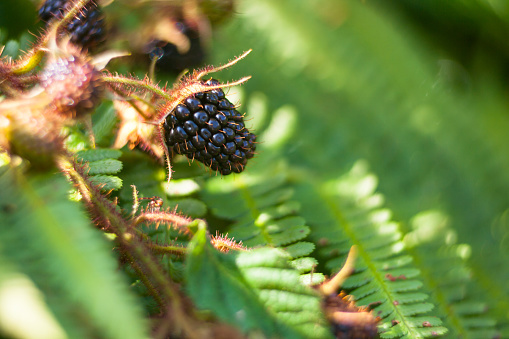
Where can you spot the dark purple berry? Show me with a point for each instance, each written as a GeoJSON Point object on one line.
{"type": "Point", "coordinates": [224, 104]}
{"type": "Point", "coordinates": [210, 109]}
{"type": "Point", "coordinates": [87, 29]}
{"type": "Point", "coordinates": [206, 127]}
{"type": "Point", "coordinates": [214, 125]}
{"type": "Point", "coordinates": [229, 148]}
{"type": "Point", "coordinates": [190, 127]}
{"type": "Point", "coordinates": [211, 97]}
{"type": "Point", "coordinates": [218, 139]}
{"type": "Point", "coordinates": [223, 120]}
{"type": "Point", "coordinates": [180, 133]}
{"type": "Point", "coordinates": [212, 149]}
{"type": "Point", "coordinates": [205, 133]}
{"type": "Point", "coordinates": [229, 133]}
{"type": "Point", "coordinates": [198, 142]}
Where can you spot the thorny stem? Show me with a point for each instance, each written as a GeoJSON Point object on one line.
{"type": "Point", "coordinates": [175, 219]}
{"type": "Point", "coordinates": [167, 249]}
{"type": "Point", "coordinates": [75, 9]}
{"type": "Point", "coordinates": [34, 56]}
{"type": "Point", "coordinates": [137, 83]}
{"type": "Point", "coordinates": [147, 268]}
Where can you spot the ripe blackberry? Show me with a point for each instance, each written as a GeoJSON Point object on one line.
{"type": "Point", "coordinates": [87, 29]}
{"type": "Point", "coordinates": [208, 128]}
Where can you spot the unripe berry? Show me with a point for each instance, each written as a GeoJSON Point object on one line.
{"type": "Point", "coordinates": [73, 84]}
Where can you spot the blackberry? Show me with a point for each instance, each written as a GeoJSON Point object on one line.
{"type": "Point", "coordinates": [87, 29]}
{"type": "Point", "coordinates": [169, 57]}
{"type": "Point", "coordinates": [73, 84]}
{"type": "Point", "coordinates": [208, 128]}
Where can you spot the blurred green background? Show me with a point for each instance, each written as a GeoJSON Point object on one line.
{"type": "Point", "coordinates": [417, 89]}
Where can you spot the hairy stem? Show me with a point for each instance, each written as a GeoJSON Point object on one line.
{"type": "Point", "coordinates": [167, 249]}
{"type": "Point", "coordinates": [164, 291]}
{"type": "Point", "coordinates": [119, 80]}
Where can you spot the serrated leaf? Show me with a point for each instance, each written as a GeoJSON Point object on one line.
{"type": "Point", "coordinates": [107, 182]}
{"type": "Point", "coordinates": [97, 154]}
{"type": "Point", "coordinates": [106, 166]}
{"type": "Point", "coordinates": [279, 286]}
{"type": "Point", "coordinates": [304, 264]}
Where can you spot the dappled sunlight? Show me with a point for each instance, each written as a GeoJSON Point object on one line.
{"type": "Point", "coordinates": [23, 312]}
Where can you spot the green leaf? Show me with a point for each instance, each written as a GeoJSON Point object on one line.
{"type": "Point", "coordinates": [107, 182]}
{"type": "Point", "coordinates": [62, 252]}
{"type": "Point", "coordinates": [281, 289]}
{"type": "Point", "coordinates": [299, 249]}
{"type": "Point", "coordinates": [104, 121]}
{"type": "Point", "coordinates": [106, 166]}
{"type": "Point", "coordinates": [190, 207]}
{"type": "Point", "coordinates": [97, 154]}
{"type": "Point", "coordinates": [215, 283]}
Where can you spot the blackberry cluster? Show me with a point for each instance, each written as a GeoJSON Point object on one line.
{"type": "Point", "coordinates": [208, 128]}
{"type": "Point", "coordinates": [87, 29]}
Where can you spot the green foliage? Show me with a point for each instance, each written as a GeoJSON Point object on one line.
{"type": "Point", "coordinates": [375, 129]}
{"type": "Point", "coordinates": [365, 85]}
{"type": "Point", "coordinates": [215, 283]}
{"type": "Point", "coordinates": [48, 239]}
{"type": "Point", "coordinates": [346, 212]}
{"type": "Point", "coordinates": [101, 164]}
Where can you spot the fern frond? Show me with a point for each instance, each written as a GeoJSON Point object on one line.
{"type": "Point", "coordinates": [263, 212]}
{"type": "Point", "coordinates": [102, 163]}
{"type": "Point", "coordinates": [446, 273]}
{"type": "Point", "coordinates": [49, 239]}
{"type": "Point", "coordinates": [368, 89]}
{"type": "Point", "coordinates": [278, 286]}
{"type": "Point", "coordinates": [215, 282]}
{"type": "Point", "coordinates": [347, 212]}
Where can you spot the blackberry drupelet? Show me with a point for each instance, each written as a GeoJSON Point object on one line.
{"type": "Point", "coordinates": [87, 29]}
{"type": "Point", "coordinates": [208, 128]}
